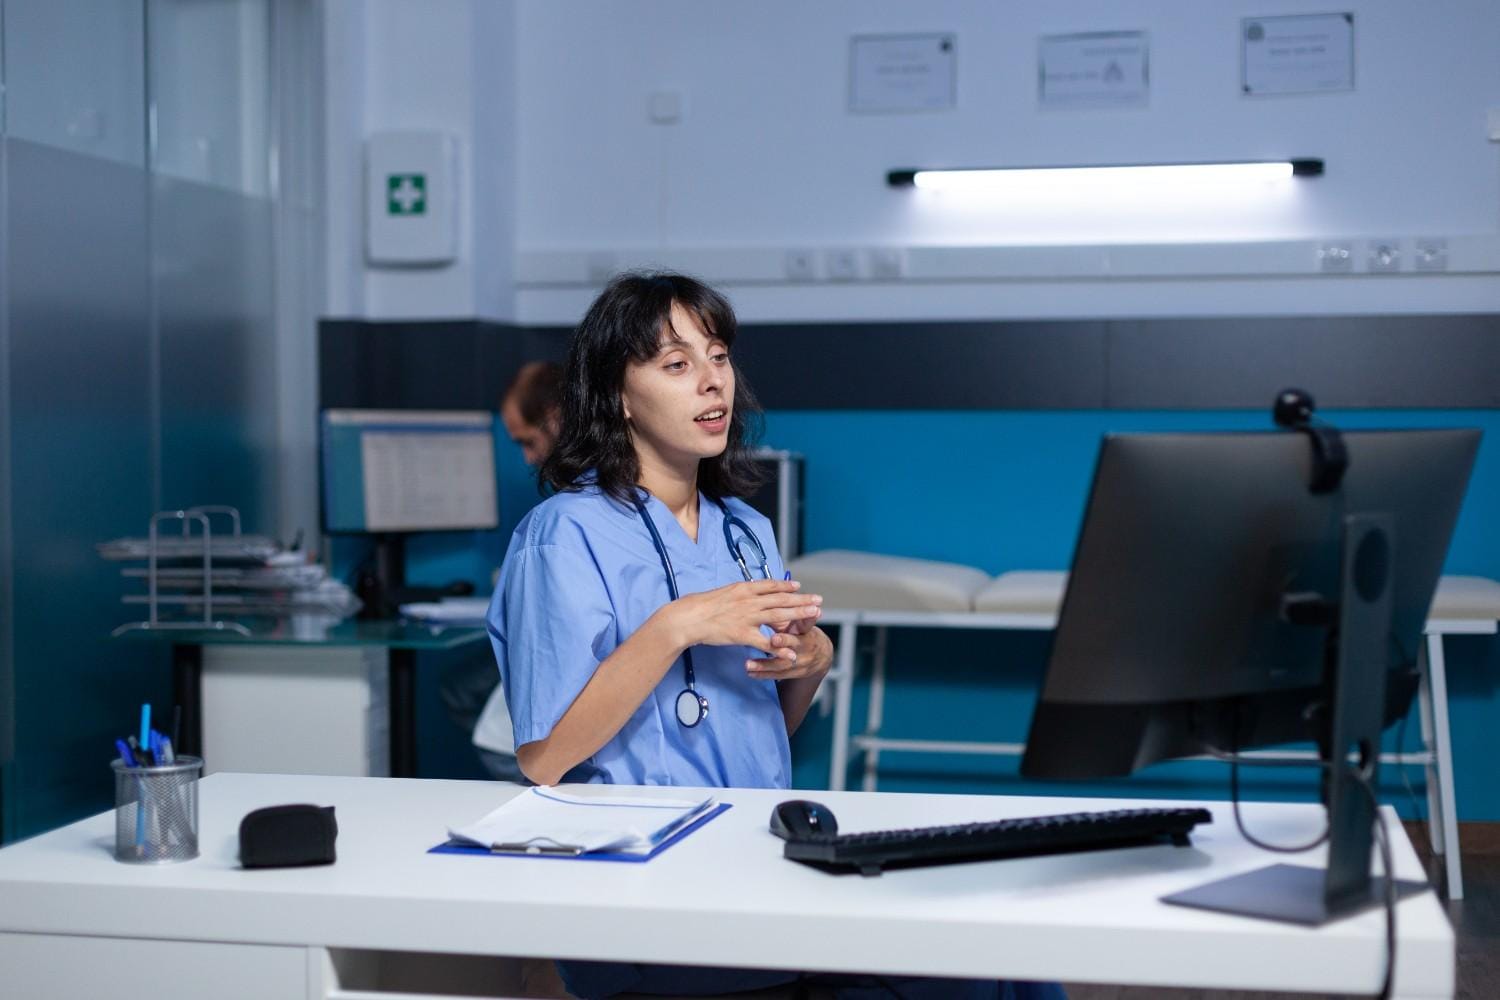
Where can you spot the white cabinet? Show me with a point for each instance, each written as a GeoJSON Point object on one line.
{"type": "Point", "coordinates": [296, 710]}
{"type": "Point", "coordinates": [69, 967]}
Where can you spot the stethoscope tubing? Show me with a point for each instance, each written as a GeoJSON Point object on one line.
{"type": "Point", "coordinates": [690, 714]}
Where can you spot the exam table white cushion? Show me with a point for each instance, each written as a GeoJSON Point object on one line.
{"type": "Point", "coordinates": [1023, 592]}
{"type": "Point", "coordinates": [1466, 597]}
{"type": "Point", "coordinates": [871, 582]}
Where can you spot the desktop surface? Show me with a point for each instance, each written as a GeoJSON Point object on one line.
{"type": "Point", "coordinates": [725, 896]}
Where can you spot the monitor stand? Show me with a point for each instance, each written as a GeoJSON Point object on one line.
{"type": "Point", "coordinates": [1289, 894]}
{"type": "Point", "coordinates": [1356, 658]}
{"type": "Point", "coordinates": [381, 584]}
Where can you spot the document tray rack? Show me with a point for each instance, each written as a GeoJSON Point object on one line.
{"type": "Point", "coordinates": [870, 853]}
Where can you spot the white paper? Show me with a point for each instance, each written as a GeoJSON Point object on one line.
{"type": "Point", "coordinates": [893, 73]}
{"type": "Point", "coordinates": [1097, 69]}
{"type": "Point", "coordinates": [544, 820]}
{"type": "Point", "coordinates": [1297, 54]}
{"type": "Point", "coordinates": [450, 611]}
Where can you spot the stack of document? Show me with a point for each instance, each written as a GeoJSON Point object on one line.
{"type": "Point", "coordinates": [239, 575]}
{"type": "Point", "coordinates": [547, 821]}
{"type": "Point", "coordinates": [471, 611]}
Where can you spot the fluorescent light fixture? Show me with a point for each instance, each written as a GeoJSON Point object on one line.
{"type": "Point", "coordinates": [1001, 179]}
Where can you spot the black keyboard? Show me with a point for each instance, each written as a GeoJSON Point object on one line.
{"type": "Point", "coordinates": [870, 853]}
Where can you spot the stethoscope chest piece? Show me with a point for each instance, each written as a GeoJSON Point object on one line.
{"type": "Point", "coordinates": [692, 707]}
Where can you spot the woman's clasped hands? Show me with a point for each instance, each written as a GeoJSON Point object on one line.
{"type": "Point", "coordinates": [733, 615]}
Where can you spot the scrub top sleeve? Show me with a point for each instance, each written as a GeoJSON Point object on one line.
{"type": "Point", "coordinates": [557, 624]}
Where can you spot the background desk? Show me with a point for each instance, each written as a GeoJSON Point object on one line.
{"type": "Point", "coordinates": [76, 923]}
{"type": "Point", "coordinates": [401, 641]}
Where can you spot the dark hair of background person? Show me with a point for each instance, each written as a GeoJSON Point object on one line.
{"type": "Point", "coordinates": [625, 324]}
{"type": "Point", "coordinates": [537, 391]}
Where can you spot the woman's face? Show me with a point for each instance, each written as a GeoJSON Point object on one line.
{"type": "Point", "coordinates": [679, 403]}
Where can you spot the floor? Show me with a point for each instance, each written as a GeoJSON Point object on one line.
{"type": "Point", "coordinates": [1476, 918]}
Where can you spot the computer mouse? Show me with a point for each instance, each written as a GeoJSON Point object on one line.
{"type": "Point", "coordinates": [798, 818]}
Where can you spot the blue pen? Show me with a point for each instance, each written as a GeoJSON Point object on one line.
{"type": "Point", "coordinates": [788, 575]}
{"type": "Point", "coordinates": [126, 757]}
{"type": "Point", "coordinates": [143, 754]}
{"type": "Point", "coordinates": [146, 725]}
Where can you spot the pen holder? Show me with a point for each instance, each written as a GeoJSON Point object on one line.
{"type": "Point", "coordinates": [156, 811]}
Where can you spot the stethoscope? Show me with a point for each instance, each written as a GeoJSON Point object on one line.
{"type": "Point", "coordinates": [692, 706]}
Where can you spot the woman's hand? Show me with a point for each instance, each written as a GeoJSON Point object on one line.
{"type": "Point", "coordinates": [733, 616]}
{"type": "Point", "coordinates": [811, 649]}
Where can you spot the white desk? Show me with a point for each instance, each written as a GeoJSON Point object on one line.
{"type": "Point", "coordinates": [76, 923]}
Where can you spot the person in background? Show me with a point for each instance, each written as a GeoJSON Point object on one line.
{"type": "Point", "coordinates": [530, 410]}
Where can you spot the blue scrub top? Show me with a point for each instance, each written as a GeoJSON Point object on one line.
{"type": "Point", "coordinates": [580, 576]}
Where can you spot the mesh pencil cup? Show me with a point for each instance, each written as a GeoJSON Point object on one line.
{"type": "Point", "coordinates": [156, 811]}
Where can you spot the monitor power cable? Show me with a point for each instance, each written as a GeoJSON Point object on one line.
{"type": "Point", "coordinates": [1382, 840]}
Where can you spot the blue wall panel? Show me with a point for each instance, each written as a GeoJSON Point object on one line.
{"type": "Point", "coordinates": [1005, 490]}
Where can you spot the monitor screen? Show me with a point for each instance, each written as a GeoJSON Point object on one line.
{"type": "Point", "coordinates": [394, 471]}
{"type": "Point", "coordinates": [1174, 635]}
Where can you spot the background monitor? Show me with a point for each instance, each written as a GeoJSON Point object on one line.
{"type": "Point", "coordinates": [403, 471]}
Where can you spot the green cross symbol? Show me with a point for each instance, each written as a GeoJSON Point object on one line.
{"type": "Point", "coordinates": [406, 194]}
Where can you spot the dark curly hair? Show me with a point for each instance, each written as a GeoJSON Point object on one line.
{"type": "Point", "coordinates": [625, 323]}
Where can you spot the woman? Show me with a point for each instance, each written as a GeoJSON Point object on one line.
{"type": "Point", "coordinates": [643, 626]}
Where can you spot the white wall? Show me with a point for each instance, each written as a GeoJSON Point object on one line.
{"type": "Point", "coordinates": [446, 65]}
{"type": "Point", "coordinates": [767, 159]}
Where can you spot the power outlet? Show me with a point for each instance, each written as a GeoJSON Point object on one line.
{"type": "Point", "coordinates": [601, 267]}
{"type": "Point", "coordinates": [1336, 258]}
{"type": "Point", "coordinates": [801, 265]}
{"type": "Point", "coordinates": [1430, 255]}
{"type": "Point", "coordinates": [664, 107]}
{"type": "Point", "coordinates": [841, 265]}
{"type": "Point", "coordinates": [887, 263]}
{"type": "Point", "coordinates": [1384, 256]}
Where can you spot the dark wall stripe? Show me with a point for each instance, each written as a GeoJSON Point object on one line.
{"type": "Point", "coordinates": [949, 366]}
{"type": "Point", "coordinates": [438, 364]}
{"type": "Point", "coordinates": [1375, 361]}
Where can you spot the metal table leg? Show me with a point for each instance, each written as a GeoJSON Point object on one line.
{"type": "Point", "coordinates": [187, 686]}
{"type": "Point", "coordinates": [403, 713]}
{"type": "Point", "coordinates": [843, 670]}
{"type": "Point", "coordinates": [1443, 819]}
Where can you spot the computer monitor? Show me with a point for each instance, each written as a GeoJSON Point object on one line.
{"type": "Point", "coordinates": [392, 473]}
{"type": "Point", "coordinates": [1217, 604]}
{"type": "Point", "coordinates": [406, 471]}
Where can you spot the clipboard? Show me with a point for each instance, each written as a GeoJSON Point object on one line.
{"type": "Point", "coordinates": [475, 850]}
